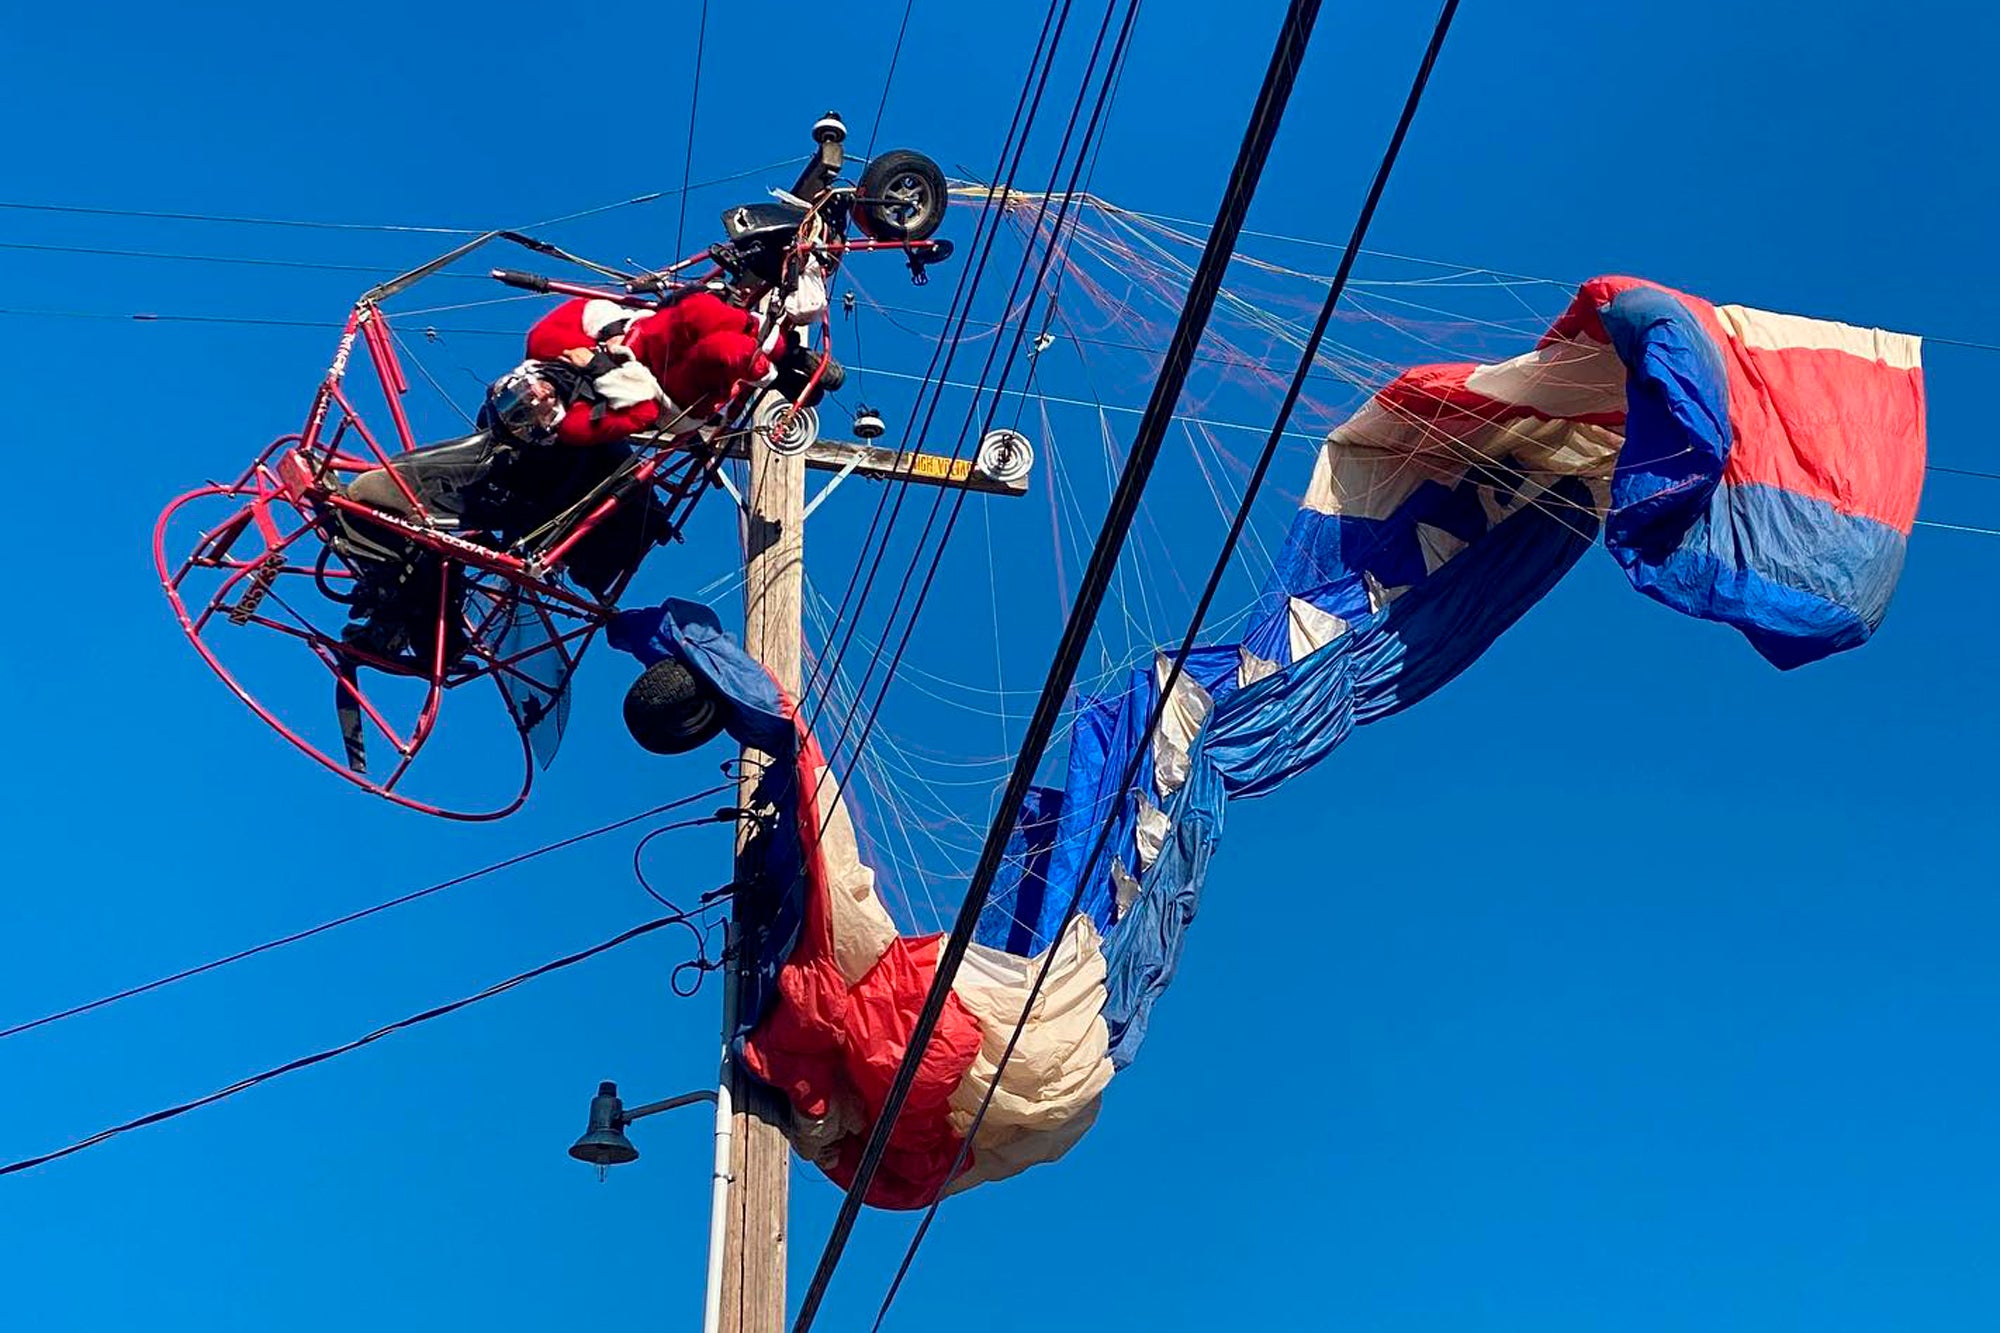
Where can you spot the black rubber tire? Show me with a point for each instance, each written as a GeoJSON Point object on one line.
{"type": "Point", "coordinates": [669, 710]}
{"type": "Point", "coordinates": [915, 181]}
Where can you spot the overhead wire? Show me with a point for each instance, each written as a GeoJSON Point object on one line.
{"type": "Point", "coordinates": [234, 220]}
{"type": "Point", "coordinates": [959, 495]}
{"type": "Point", "coordinates": [889, 79]}
{"type": "Point", "coordinates": [332, 1052]}
{"type": "Point", "coordinates": [1259, 135]}
{"type": "Point", "coordinates": [1220, 567]}
{"type": "Point", "coordinates": [349, 918]}
{"type": "Point", "coordinates": [944, 349]}
{"type": "Point", "coordinates": [694, 107]}
{"type": "Point", "coordinates": [322, 225]}
{"type": "Point", "coordinates": [891, 501]}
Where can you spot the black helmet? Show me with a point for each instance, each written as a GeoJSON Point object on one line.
{"type": "Point", "coordinates": [524, 405]}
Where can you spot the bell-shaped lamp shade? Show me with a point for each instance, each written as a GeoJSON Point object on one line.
{"type": "Point", "coordinates": [604, 1142]}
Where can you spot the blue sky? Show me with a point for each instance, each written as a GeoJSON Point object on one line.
{"type": "Point", "coordinates": [1625, 983]}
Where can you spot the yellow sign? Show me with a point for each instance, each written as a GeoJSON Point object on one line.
{"type": "Point", "coordinates": [938, 466]}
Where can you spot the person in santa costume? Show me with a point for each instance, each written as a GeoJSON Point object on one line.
{"type": "Point", "coordinates": [697, 349]}
{"type": "Point", "coordinates": [549, 433]}
{"type": "Point", "coordinates": [553, 429]}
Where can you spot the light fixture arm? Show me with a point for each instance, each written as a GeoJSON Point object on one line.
{"type": "Point", "coordinates": [650, 1108]}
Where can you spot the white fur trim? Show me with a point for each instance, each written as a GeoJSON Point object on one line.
{"type": "Point", "coordinates": [599, 312]}
{"type": "Point", "coordinates": [628, 385]}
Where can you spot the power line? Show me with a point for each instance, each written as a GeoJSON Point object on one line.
{"type": "Point", "coordinates": [1222, 561]}
{"type": "Point", "coordinates": [160, 983]}
{"type": "Point", "coordinates": [320, 1057]}
{"type": "Point", "coordinates": [233, 220]}
{"type": "Point", "coordinates": [318, 225]}
{"type": "Point", "coordinates": [944, 351]}
{"type": "Point", "coordinates": [694, 106]}
{"type": "Point", "coordinates": [1259, 134]}
{"type": "Point", "coordinates": [889, 79]}
{"type": "Point", "coordinates": [972, 407]}
{"type": "Point", "coordinates": [244, 260]}
{"type": "Point", "coordinates": [1214, 423]}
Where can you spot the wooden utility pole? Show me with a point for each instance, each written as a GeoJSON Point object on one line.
{"type": "Point", "coordinates": [752, 1292]}
{"type": "Point", "coordinates": [753, 1256]}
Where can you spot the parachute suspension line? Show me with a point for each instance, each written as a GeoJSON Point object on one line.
{"type": "Point", "coordinates": [1026, 108]}
{"type": "Point", "coordinates": [1364, 371]}
{"type": "Point", "coordinates": [873, 711]}
{"type": "Point", "coordinates": [320, 1057]}
{"type": "Point", "coordinates": [1109, 453]}
{"type": "Point", "coordinates": [1963, 472]}
{"type": "Point", "coordinates": [1956, 527]}
{"type": "Point", "coordinates": [993, 602]}
{"type": "Point", "coordinates": [1962, 342]}
{"type": "Point", "coordinates": [160, 983]}
{"type": "Point", "coordinates": [985, 376]}
{"type": "Point", "coordinates": [410, 355]}
{"type": "Point", "coordinates": [1259, 135]}
{"type": "Point", "coordinates": [880, 781]}
{"type": "Point", "coordinates": [1091, 129]}
{"type": "Point", "coordinates": [853, 312]}
{"type": "Point", "coordinates": [1055, 514]}
{"type": "Point", "coordinates": [1006, 369]}
{"type": "Point", "coordinates": [1223, 558]}
{"type": "Point", "coordinates": [694, 105]}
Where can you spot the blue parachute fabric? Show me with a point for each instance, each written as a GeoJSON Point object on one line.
{"type": "Point", "coordinates": [1431, 633]}
{"type": "Point", "coordinates": [1143, 951]}
{"type": "Point", "coordinates": [1107, 732]}
{"type": "Point", "coordinates": [1677, 434]}
{"type": "Point", "coordinates": [1762, 471]}
{"type": "Point", "coordinates": [1462, 495]}
{"type": "Point", "coordinates": [1021, 886]}
{"type": "Point", "coordinates": [1771, 466]}
{"type": "Point", "coordinates": [755, 714]}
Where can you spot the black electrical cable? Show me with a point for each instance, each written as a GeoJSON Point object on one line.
{"type": "Point", "coordinates": [986, 371]}
{"type": "Point", "coordinates": [945, 349]}
{"type": "Point", "coordinates": [694, 105]}
{"type": "Point", "coordinates": [889, 79]}
{"type": "Point", "coordinates": [320, 1057]}
{"type": "Point", "coordinates": [185, 974]}
{"type": "Point", "coordinates": [1216, 574]}
{"type": "Point", "coordinates": [1259, 135]}
{"type": "Point", "coordinates": [992, 414]}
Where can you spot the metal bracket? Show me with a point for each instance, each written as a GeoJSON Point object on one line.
{"type": "Point", "coordinates": [846, 471]}
{"type": "Point", "coordinates": [722, 475]}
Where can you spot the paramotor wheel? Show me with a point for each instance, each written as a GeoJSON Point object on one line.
{"type": "Point", "coordinates": [669, 711]}
{"type": "Point", "coordinates": [900, 197]}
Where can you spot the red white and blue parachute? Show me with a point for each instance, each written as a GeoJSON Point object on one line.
{"type": "Point", "coordinates": [1756, 469]}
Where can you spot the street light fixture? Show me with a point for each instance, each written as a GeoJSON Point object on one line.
{"type": "Point", "coordinates": [604, 1143]}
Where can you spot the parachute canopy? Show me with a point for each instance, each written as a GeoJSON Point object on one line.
{"type": "Point", "coordinates": [1755, 469]}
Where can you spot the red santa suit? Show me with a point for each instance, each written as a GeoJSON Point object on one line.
{"type": "Point", "coordinates": [682, 361]}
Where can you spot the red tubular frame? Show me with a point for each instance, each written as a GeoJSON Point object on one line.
{"type": "Point", "coordinates": [302, 474]}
